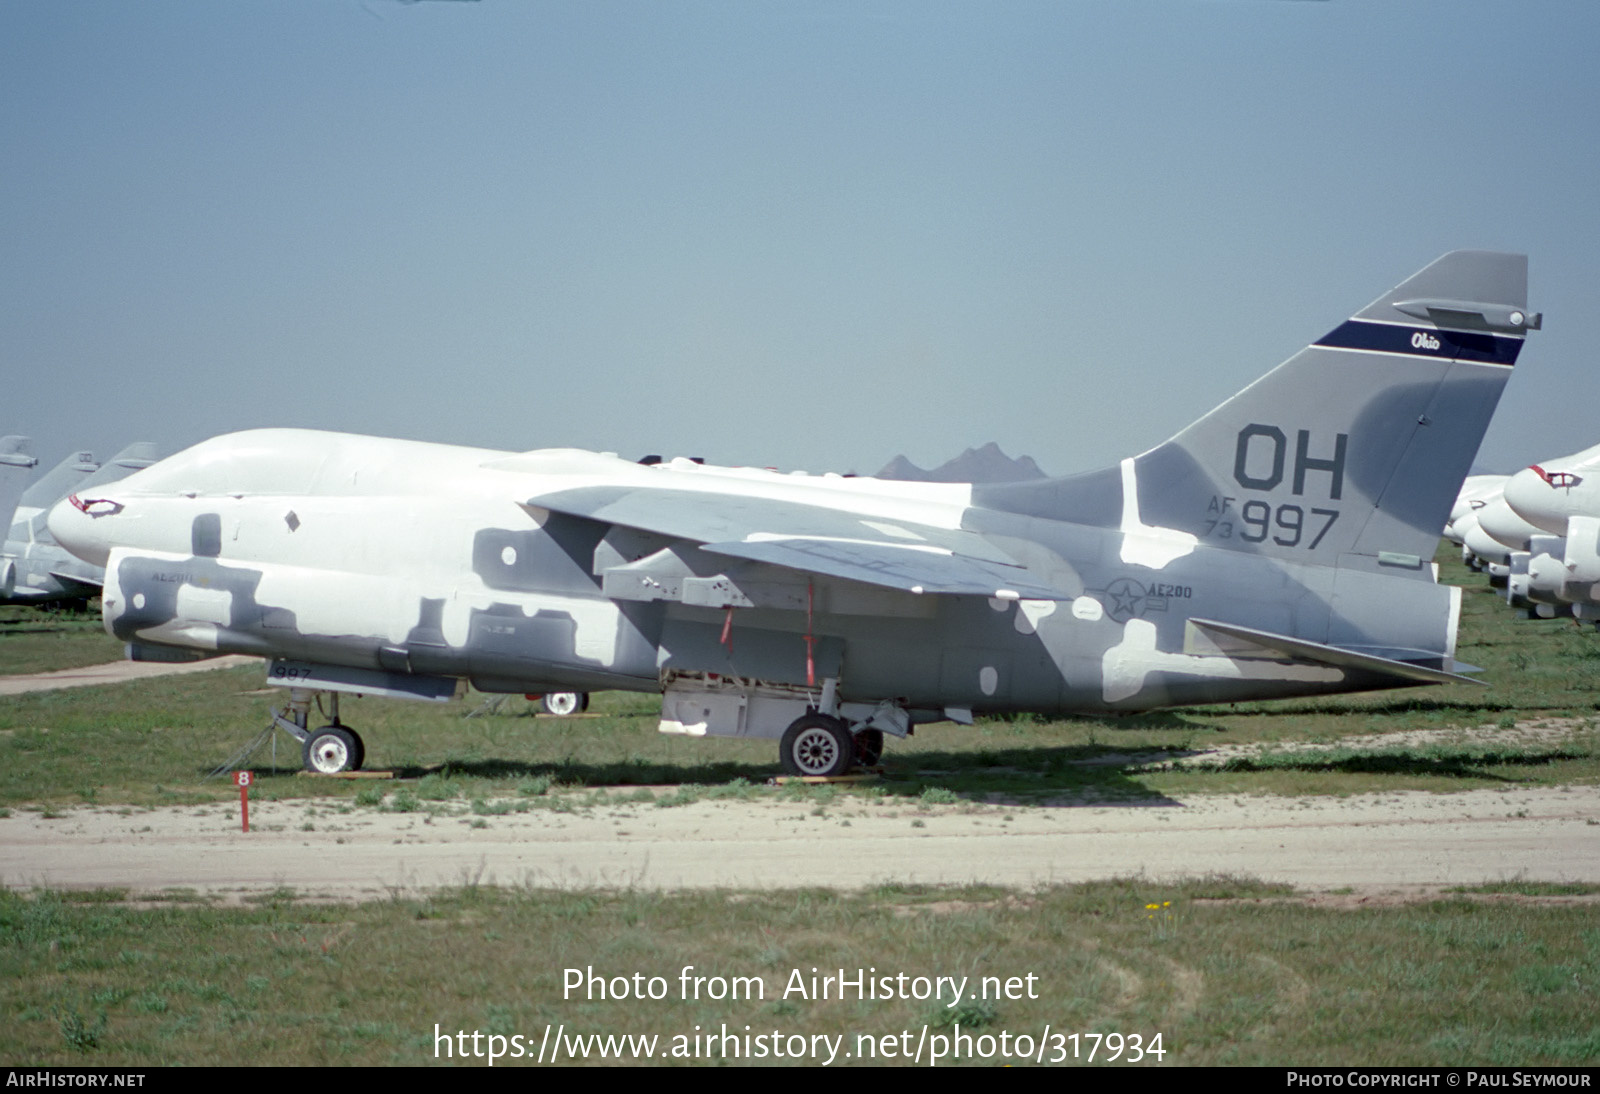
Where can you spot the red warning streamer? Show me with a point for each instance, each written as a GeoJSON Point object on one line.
{"type": "Point", "coordinates": [811, 641]}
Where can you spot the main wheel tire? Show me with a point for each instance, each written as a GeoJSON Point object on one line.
{"type": "Point", "coordinates": [565, 702]}
{"type": "Point", "coordinates": [332, 749]}
{"type": "Point", "coordinates": [869, 747]}
{"type": "Point", "coordinates": [816, 745]}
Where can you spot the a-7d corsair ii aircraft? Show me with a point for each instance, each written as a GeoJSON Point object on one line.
{"type": "Point", "coordinates": [1279, 546]}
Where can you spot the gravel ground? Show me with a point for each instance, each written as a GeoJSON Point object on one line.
{"type": "Point", "coordinates": [1368, 843]}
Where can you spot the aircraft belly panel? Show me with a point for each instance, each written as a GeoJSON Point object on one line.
{"type": "Point", "coordinates": [778, 656]}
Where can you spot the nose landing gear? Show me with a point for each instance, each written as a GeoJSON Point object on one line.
{"type": "Point", "coordinates": [331, 750]}
{"type": "Point", "coordinates": [563, 703]}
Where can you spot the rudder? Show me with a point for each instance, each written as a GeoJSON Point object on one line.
{"type": "Point", "coordinates": [1355, 446]}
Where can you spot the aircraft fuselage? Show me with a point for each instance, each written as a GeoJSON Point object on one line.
{"type": "Point", "coordinates": [412, 558]}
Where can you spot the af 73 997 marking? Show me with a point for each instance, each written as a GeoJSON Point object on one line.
{"type": "Point", "coordinates": [1286, 523]}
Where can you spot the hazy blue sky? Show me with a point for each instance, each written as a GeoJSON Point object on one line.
{"type": "Point", "coordinates": [800, 234]}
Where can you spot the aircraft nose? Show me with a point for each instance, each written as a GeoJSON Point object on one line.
{"type": "Point", "coordinates": [1499, 520]}
{"type": "Point", "coordinates": [78, 524]}
{"type": "Point", "coordinates": [1482, 544]}
{"type": "Point", "coordinates": [1540, 497]}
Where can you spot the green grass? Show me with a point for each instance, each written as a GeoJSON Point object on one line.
{"type": "Point", "coordinates": [1534, 888]}
{"type": "Point", "coordinates": [46, 639]}
{"type": "Point", "coordinates": [1226, 971]}
{"type": "Point", "coordinates": [152, 743]}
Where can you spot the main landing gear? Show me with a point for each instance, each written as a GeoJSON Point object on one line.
{"type": "Point", "coordinates": [329, 750]}
{"type": "Point", "coordinates": [820, 745]}
{"type": "Point", "coordinates": [816, 745]}
{"type": "Point", "coordinates": [818, 734]}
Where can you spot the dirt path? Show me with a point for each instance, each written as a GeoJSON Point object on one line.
{"type": "Point", "coordinates": [113, 672]}
{"type": "Point", "coordinates": [1366, 842]}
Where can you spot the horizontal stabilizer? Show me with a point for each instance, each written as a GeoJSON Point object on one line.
{"type": "Point", "coordinates": [1334, 655]}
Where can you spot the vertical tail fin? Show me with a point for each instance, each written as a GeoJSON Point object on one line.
{"type": "Point", "coordinates": [136, 457]}
{"type": "Point", "coordinates": [17, 461]}
{"type": "Point", "coordinates": [58, 482]}
{"type": "Point", "coordinates": [1356, 445]}
{"type": "Point", "coordinates": [46, 490]}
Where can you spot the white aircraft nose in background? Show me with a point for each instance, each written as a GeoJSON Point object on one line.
{"type": "Point", "coordinates": [77, 524]}
{"type": "Point", "coordinates": [1550, 492]}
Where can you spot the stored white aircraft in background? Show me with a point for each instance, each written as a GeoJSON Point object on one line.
{"type": "Point", "coordinates": [1476, 492]}
{"type": "Point", "coordinates": [1560, 500]}
{"type": "Point", "coordinates": [16, 461]}
{"type": "Point", "coordinates": [39, 570]}
{"type": "Point", "coordinates": [1278, 546]}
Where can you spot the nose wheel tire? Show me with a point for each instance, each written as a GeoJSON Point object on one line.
{"type": "Point", "coordinates": [565, 702]}
{"type": "Point", "coordinates": [816, 745]}
{"type": "Point", "coordinates": [333, 749]}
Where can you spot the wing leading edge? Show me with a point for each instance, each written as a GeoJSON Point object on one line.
{"type": "Point", "coordinates": [894, 554]}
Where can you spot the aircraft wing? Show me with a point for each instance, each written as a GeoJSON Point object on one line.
{"type": "Point", "coordinates": [895, 554]}
{"type": "Point", "coordinates": [75, 584]}
{"type": "Point", "coordinates": [907, 567]}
